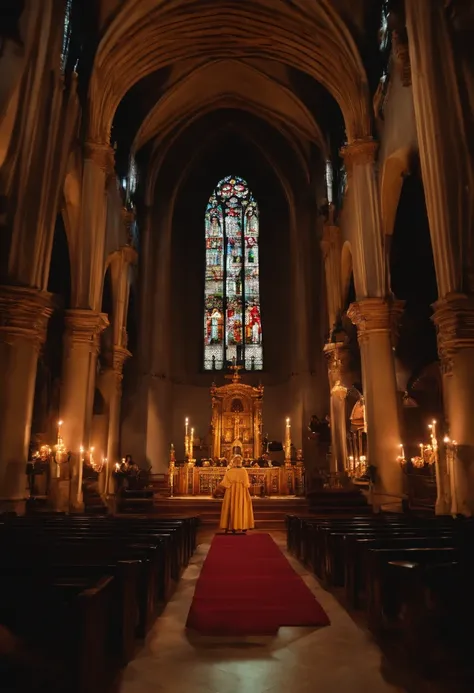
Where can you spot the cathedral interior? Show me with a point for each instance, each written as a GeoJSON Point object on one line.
{"type": "Point", "coordinates": [239, 227]}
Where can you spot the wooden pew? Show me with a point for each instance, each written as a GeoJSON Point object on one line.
{"type": "Point", "coordinates": [71, 633]}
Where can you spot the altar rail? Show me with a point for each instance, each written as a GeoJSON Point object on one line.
{"type": "Point", "coordinates": [189, 480]}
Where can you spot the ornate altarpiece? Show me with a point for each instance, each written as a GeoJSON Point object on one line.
{"type": "Point", "coordinates": [236, 423]}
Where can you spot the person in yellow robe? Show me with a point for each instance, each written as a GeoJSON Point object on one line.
{"type": "Point", "coordinates": [237, 510]}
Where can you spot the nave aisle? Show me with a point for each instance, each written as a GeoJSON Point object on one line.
{"type": "Point", "coordinates": [339, 658]}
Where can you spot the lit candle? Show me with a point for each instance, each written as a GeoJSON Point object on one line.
{"type": "Point", "coordinates": [421, 451]}
{"type": "Point", "coordinates": [186, 423]}
{"type": "Point", "coordinates": [402, 451]}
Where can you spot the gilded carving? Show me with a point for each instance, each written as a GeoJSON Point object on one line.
{"type": "Point", "coordinates": [231, 426]}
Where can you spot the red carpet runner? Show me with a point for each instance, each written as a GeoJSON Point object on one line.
{"type": "Point", "coordinates": [247, 587]}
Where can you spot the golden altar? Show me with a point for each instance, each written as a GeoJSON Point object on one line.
{"type": "Point", "coordinates": [236, 428]}
{"type": "Point", "coordinates": [287, 480]}
{"type": "Point", "coordinates": [236, 424]}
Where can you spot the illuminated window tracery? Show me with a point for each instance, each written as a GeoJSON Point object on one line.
{"type": "Point", "coordinates": [232, 316]}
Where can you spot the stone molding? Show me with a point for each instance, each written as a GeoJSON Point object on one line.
{"type": "Point", "coordinates": [120, 355]}
{"type": "Point", "coordinates": [101, 154]}
{"type": "Point", "coordinates": [359, 152]}
{"type": "Point", "coordinates": [83, 328]}
{"type": "Point", "coordinates": [24, 314]}
{"type": "Point", "coordinates": [454, 320]}
{"type": "Point", "coordinates": [372, 315]}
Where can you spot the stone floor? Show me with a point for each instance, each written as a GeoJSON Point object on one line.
{"type": "Point", "coordinates": [338, 659]}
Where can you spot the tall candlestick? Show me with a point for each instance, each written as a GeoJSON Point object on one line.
{"type": "Point", "coordinates": [288, 439]}
{"type": "Point", "coordinates": [191, 444]}
{"type": "Point", "coordinates": [79, 477]}
{"type": "Point", "coordinates": [107, 473]}
{"type": "Point", "coordinates": [186, 423]}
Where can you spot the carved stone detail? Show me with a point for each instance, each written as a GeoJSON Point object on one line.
{"type": "Point", "coordinates": [102, 154]}
{"type": "Point", "coordinates": [83, 327]}
{"type": "Point", "coordinates": [120, 355]}
{"type": "Point", "coordinates": [337, 356]}
{"type": "Point", "coordinates": [24, 313]}
{"type": "Point", "coordinates": [359, 152]}
{"type": "Point", "coordinates": [376, 315]}
{"type": "Point", "coordinates": [454, 320]}
{"type": "Point", "coordinates": [128, 218]}
{"type": "Point", "coordinates": [402, 56]}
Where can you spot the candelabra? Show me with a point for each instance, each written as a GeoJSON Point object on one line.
{"type": "Point", "coordinates": [172, 468]}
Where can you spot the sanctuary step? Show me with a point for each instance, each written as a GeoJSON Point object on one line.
{"type": "Point", "coordinates": [269, 513]}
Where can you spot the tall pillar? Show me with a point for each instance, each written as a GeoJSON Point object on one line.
{"type": "Point", "coordinates": [24, 315]}
{"type": "Point", "coordinates": [331, 248]}
{"type": "Point", "coordinates": [112, 379]}
{"type": "Point", "coordinates": [374, 318]}
{"type": "Point", "coordinates": [337, 356]}
{"type": "Point", "coordinates": [445, 166]}
{"type": "Point", "coordinates": [81, 348]}
{"type": "Point", "coordinates": [338, 428]}
{"type": "Point", "coordinates": [454, 319]}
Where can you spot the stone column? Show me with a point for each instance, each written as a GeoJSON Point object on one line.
{"type": "Point", "coordinates": [336, 353]}
{"type": "Point", "coordinates": [375, 319]}
{"type": "Point", "coordinates": [24, 315]}
{"type": "Point", "coordinates": [81, 348]}
{"type": "Point", "coordinates": [331, 248]}
{"type": "Point", "coordinates": [112, 379]}
{"type": "Point", "coordinates": [445, 166]}
{"type": "Point", "coordinates": [338, 429]}
{"type": "Point", "coordinates": [454, 319]}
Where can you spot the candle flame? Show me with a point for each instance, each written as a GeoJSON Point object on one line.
{"type": "Point", "coordinates": [60, 423]}
{"type": "Point", "coordinates": [446, 439]}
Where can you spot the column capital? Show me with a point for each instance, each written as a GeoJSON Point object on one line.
{"type": "Point", "coordinates": [401, 54]}
{"type": "Point", "coordinates": [24, 313]}
{"type": "Point", "coordinates": [83, 328]}
{"type": "Point", "coordinates": [454, 320]}
{"type": "Point", "coordinates": [337, 356]}
{"type": "Point", "coordinates": [359, 152]}
{"type": "Point", "coordinates": [102, 154]}
{"type": "Point", "coordinates": [376, 315]}
{"type": "Point", "coordinates": [120, 355]}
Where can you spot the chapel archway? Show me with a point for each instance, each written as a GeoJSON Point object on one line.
{"type": "Point", "coordinates": [413, 280]}
{"type": "Point", "coordinates": [48, 374]}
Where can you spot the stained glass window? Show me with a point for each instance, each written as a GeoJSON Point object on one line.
{"type": "Point", "coordinates": [232, 316]}
{"type": "Point", "coordinates": [66, 34]}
